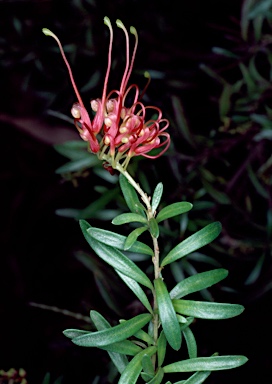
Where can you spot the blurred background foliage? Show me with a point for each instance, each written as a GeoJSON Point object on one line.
{"type": "Point", "coordinates": [211, 69]}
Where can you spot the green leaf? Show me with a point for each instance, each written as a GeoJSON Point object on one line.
{"type": "Point", "coordinates": [133, 236]}
{"type": "Point", "coordinates": [207, 310]}
{"type": "Point", "coordinates": [119, 360]}
{"type": "Point", "coordinates": [162, 343]}
{"type": "Point", "coordinates": [198, 282]}
{"type": "Point", "coordinates": [125, 347]}
{"type": "Point", "coordinates": [113, 335]}
{"type": "Point", "coordinates": [118, 241]}
{"type": "Point", "coordinates": [125, 218]}
{"type": "Point", "coordinates": [147, 365]}
{"type": "Point", "coordinates": [133, 369]}
{"type": "Point", "coordinates": [153, 227]}
{"type": "Point", "coordinates": [137, 290]}
{"type": "Point", "coordinates": [191, 342]}
{"type": "Point", "coordinates": [197, 378]}
{"type": "Point", "coordinates": [193, 242]}
{"type": "Point", "coordinates": [74, 150]}
{"type": "Point", "coordinates": [225, 101]}
{"type": "Point", "coordinates": [156, 198]}
{"type": "Point", "coordinates": [215, 363]}
{"type": "Point", "coordinates": [142, 335]}
{"type": "Point", "coordinates": [72, 333]}
{"type": "Point", "coordinates": [173, 210]}
{"type": "Point", "coordinates": [77, 165]}
{"type": "Point", "coordinates": [168, 315]}
{"type": "Point", "coordinates": [92, 209]}
{"type": "Point", "coordinates": [157, 379]}
{"type": "Point", "coordinates": [115, 258]}
{"type": "Point", "coordinates": [130, 195]}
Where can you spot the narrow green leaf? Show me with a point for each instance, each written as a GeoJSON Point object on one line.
{"type": "Point", "coordinates": [188, 322]}
{"type": "Point", "coordinates": [115, 258]}
{"type": "Point", "coordinates": [173, 210]}
{"type": "Point", "coordinates": [162, 343]}
{"type": "Point", "coordinates": [124, 347]}
{"type": "Point", "coordinates": [168, 315]}
{"type": "Point", "coordinates": [72, 333]}
{"type": "Point", "coordinates": [197, 378]}
{"type": "Point", "coordinates": [125, 218]}
{"type": "Point", "coordinates": [157, 379]}
{"type": "Point", "coordinates": [74, 149]}
{"type": "Point", "coordinates": [215, 363]}
{"type": "Point", "coordinates": [225, 101]}
{"type": "Point", "coordinates": [137, 290]}
{"type": "Point", "coordinates": [207, 310]}
{"type": "Point", "coordinates": [156, 198]}
{"type": "Point", "coordinates": [146, 377]}
{"type": "Point", "coordinates": [193, 242]}
{"type": "Point", "coordinates": [133, 236]}
{"type": "Point", "coordinates": [153, 227]}
{"type": "Point", "coordinates": [147, 365]}
{"type": "Point", "coordinates": [191, 342]}
{"type": "Point", "coordinates": [118, 241]}
{"type": "Point", "coordinates": [133, 369]}
{"type": "Point", "coordinates": [114, 334]}
{"type": "Point", "coordinates": [77, 165]}
{"type": "Point", "coordinates": [92, 209]}
{"type": "Point", "coordinates": [198, 282]}
{"type": "Point", "coordinates": [119, 360]}
{"type": "Point", "coordinates": [224, 52]}
{"type": "Point", "coordinates": [142, 335]}
{"type": "Point", "coordinates": [130, 195]}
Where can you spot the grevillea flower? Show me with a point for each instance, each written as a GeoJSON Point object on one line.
{"type": "Point", "coordinates": [119, 131]}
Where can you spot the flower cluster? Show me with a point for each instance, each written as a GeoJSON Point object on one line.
{"type": "Point", "coordinates": [118, 131]}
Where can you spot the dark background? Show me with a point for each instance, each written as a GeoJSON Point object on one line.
{"type": "Point", "coordinates": [38, 263]}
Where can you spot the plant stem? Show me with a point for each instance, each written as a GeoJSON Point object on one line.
{"type": "Point", "coordinates": [156, 261]}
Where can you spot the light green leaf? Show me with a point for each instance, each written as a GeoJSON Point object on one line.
{"type": "Point", "coordinates": [125, 218]}
{"type": "Point", "coordinates": [114, 334]}
{"type": "Point", "coordinates": [118, 241]}
{"type": "Point", "coordinates": [215, 363]}
{"type": "Point", "coordinates": [173, 210]}
{"type": "Point", "coordinates": [198, 282]}
{"type": "Point", "coordinates": [115, 258]}
{"type": "Point", "coordinates": [167, 315]}
{"type": "Point", "coordinates": [133, 369]}
{"type": "Point", "coordinates": [193, 242]}
{"type": "Point", "coordinates": [207, 310]}
{"type": "Point", "coordinates": [162, 343]}
{"type": "Point", "coordinates": [133, 236]}
{"type": "Point", "coordinates": [153, 227]}
{"type": "Point", "coordinates": [130, 195]}
{"type": "Point", "coordinates": [191, 342]}
{"type": "Point", "coordinates": [137, 290]}
{"type": "Point", "coordinates": [156, 198]}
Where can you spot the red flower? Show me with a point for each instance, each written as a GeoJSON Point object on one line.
{"type": "Point", "coordinates": [118, 131]}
